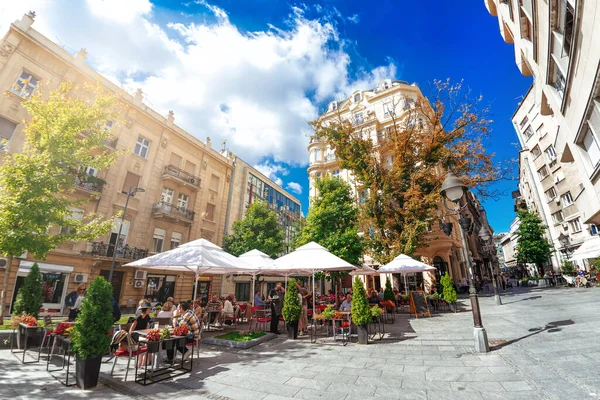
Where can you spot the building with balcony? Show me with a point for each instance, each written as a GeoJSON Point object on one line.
{"type": "Point", "coordinates": [373, 113]}
{"type": "Point", "coordinates": [185, 181]}
{"type": "Point", "coordinates": [558, 122]}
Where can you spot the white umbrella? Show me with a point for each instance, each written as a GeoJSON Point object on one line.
{"type": "Point", "coordinates": [258, 260]}
{"type": "Point", "coordinates": [309, 259]}
{"type": "Point", "coordinates": [197, 256]}
{"type": "Point", "coordinates": [404, 264]}
{"type": "Point", "coordinates": [365, 270]}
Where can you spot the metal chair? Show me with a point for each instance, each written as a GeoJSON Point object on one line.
{"type": "Point", "coordinates": [49, 329]}
{"type": "Point", "coordinates": [260, 317]}
{"type": "Point", "coordinates": [130, 351]}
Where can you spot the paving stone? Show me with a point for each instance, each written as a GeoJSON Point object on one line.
{"type": "Point", "coordinates": [309, 394]}
{"type": "Point", "coordinates": [489, 378]}
{"type": "Point", "coordinates": [241, 394]}
{"type": "Point", "coordinates": [403, 394]}
{"type": "Point", "coordinates": [448, 395]}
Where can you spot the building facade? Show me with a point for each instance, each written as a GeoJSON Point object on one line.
{"type": "Point", "coordinates": [185, 182]}
{"type": "Point", "coordinates": [373, 113]}
{"type": "Point", "coordinates": [558, 123]}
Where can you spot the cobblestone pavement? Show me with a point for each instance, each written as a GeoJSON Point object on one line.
{"type": "Point", "coordinates": [544, 346]}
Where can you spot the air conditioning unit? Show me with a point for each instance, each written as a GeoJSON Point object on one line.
{"type": "Point", "coordinates": [3, 262]}
{"type": "Point", "coordinates": [557, 200]}
{"type": "Point", "coordinates": [192, 181]}
{"type": "Point", "coordinates": [138, 284]}
{"type": "Point", "coordinates": [80, 278]}
{"type": "Point", "coordinates": [140, 275]}
{"type": "Point", "coordinates": [23, 256]}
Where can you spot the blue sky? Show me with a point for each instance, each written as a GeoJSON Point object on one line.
{"type": "Point", "coordinates": [254, 72]}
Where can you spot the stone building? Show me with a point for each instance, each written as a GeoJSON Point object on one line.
{"type": "Point", "coordinates": [373, 113]}
{"type": "Point", "coordinates": [185, 181]}
{"type": "Point", "coordinates": [557, 42]}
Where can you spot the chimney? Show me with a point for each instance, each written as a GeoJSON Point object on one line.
{"type": "Point", "coordinates": [81, 56]}
{"type": "Point", "coordinates": [171, 117]}
{"type": "Point", "coordinates": [27, 20]}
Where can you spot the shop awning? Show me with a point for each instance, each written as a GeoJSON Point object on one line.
{"type": "Point", "coordinates": [25, 266]}
{"type": "Point", "coordinates": [589, 249]}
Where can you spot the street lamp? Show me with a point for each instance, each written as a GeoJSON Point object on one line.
{"type": "Point", "coordinates": [453, 189]}
{"type": "Point", "coordinates": [130, 193]}
{"type": "Point", "coordinates": [485, 235]}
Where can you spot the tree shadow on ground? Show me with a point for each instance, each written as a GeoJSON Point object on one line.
{"type": "Point", "coordinates": [551, 327]}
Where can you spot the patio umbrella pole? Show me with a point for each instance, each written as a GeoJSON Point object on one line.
{"type": "Point", "coordinates": [313, 294]}
{"type": "Point", "coordinates": [196, 284]}
{"type": "Point", "coordinates": [251, 293]}
{"type": "Point", "coordinates": [405, 285]}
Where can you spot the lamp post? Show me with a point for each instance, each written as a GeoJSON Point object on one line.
{"type": "Point", "coordinates": [130, 193]}
{"type": "Point", "coordinates": [453, 190]}
{"type": "Point", "coordinates": [484, 234]}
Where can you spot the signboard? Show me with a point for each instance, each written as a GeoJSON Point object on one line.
{"type": "Point", "coordinates": [205, 278]}
{"type": "Point", "coordinates": [418, 304]}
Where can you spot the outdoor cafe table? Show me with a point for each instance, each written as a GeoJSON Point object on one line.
{"type": "Point", "coordinates": [212, 327]}
{"type": "Point", "coordinates": [173, 369]}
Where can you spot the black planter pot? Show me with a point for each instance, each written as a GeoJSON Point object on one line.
{"type": "Point", "coordinates": [292, 329]}
{"type": "Point", "coordinates": [363, 334]}
{"type": "Point", "coordinates": [168, 345]}
{"type": "Point", "coordinates": [153, 347]}
{"type": "Point", "coordinates": [87, 372]}
{"type": "Point", "coordinates": [32, 334]}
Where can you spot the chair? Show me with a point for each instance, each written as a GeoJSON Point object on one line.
{"type": "Point", "coordinates": [230, 317]}
{"type": "Point", "coordinates": [163, 321]}
{"type": "Point", "coordinates": [129, 352]}
{"type": "Point", "coordinates": [197, 339]}
{"type": "Point", "coordinates": [260, 317]}
{"type": "Point", "coordinates": [49, 329]}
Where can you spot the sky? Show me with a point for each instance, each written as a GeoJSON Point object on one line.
{"type": "Point", "coordinates": [252, 73]}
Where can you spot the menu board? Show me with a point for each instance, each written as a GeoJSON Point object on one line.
{"type": "Point", "coordinates": [418, 304]}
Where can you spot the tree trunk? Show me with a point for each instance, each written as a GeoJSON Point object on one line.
{"type": "Point", "coordinates": [7, 270]}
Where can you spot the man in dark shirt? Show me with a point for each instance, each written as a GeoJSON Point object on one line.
{"type": "Point", "coordinates": [276, 298]}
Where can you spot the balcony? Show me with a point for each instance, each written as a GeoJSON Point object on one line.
{"type": "Point", "coordinates": [172, 212]}
{"type": "Point", "coordinates": [111, 143]}
{"type": "Point", "coordinates": [89, 184]}
{"type": "Point", "coordinates": [570, 210]}
{"type": "Point", "coordinates": [181, 176]}
{"type": "Point", "coordinates": [101, 249]}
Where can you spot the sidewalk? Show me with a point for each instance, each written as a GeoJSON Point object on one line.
{"type": "Point", "coordinates": [544, 343]}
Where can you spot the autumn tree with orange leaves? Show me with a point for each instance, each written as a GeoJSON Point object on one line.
{"type": "Point", "coordinates": [399, 171]}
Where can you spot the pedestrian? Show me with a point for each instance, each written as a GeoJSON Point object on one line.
{"type": "Point", "coordinates": [72, 297]}
{"type": "Point", "coordinates": [276, 298]}
{"type": "Point", "coordinates": [74, 312]}
{"type": "Point", "coordinates": [304, 294]}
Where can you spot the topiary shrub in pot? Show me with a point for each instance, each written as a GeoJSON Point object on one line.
{"type": "Point", "coordinates": [449, 292]}
{"type": "Point", "coordinates": [29, 297]}
{"type": "Point", "coordinates": [90, 339]}
{"type": "Point", "coordinates": [361, 312]}
{"type": "Point", "coordinates": [388, 295]}
{"type": "Point", "coordinates": [292, 309]}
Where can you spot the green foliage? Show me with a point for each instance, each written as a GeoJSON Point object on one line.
{"type": "Point", "coordinates": [258, 230]}
{"type": "Point", "coordinates": [29, 298]}
{"type": "Point", "coordinates": [532, 246]}
{"type": "Point", "coordinates": [237, 336]}
{"type": "Point", "coordinates": [292, 308]}
{"type": "Point", "coordinates": [65, 134]}
{"type": "Point", "coordinates": [328, 312]}
{"type": "Point", "coordinates": [388, 293]}
{"type": "Point", "coordinates": [448, 289]}
{"type": "Point", "coordinates": [376, 311]}
{"type": "Point", "coordinates": [361, 312]}
{"type": "Point", "coordinates": [94, 322]}
{"type": "Point", "coordinates": [568, 267]}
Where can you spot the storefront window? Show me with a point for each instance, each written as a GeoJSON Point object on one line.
{"type": "Point", "coordinates": [53, 284]}
{"type": "Point", "coordinates": [160, 287]}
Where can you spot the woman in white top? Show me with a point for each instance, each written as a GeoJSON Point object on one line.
{"type": "Point", "coordinates": [166, 311]}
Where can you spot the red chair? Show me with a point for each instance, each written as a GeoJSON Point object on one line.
{"type": "Point", "coordinates": [260, 317]}
{"type": "Point", "coordinates": [130, 350]}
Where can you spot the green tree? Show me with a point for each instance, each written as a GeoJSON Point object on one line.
{"type": "Point", "coordinates": [292, 308]}
{"type": "Point", "coordinates": [94, 322]}
{"type": "Point", "coordinates": [448, 289]}
{"type": "Point", "coordinates": [532, 246]}
{"type": "Point", "coordinates": [399, 175]}
{"type": "Point", "coordinates": [332, 222]}
{"type": "Point", "coordinates": [29, 297]}
{"type": "Point", "coordinates": [259, 229]}
{"type": "Point", "coordinates": [65, 134]}
{"type": "Point", "coordinates": [388, 293]}
{"type": "Point", "coordinates": [361, 313]}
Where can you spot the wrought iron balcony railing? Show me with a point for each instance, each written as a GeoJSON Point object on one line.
{"type": "Point", "coordinates": [178, 173]}
{"type": "Point", "coordinates": [172, 210]}
{"type": "Point", "coordinates": [101, 249]}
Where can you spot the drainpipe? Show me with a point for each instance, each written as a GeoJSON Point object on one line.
{"type": "Point", "coordinates": [229, 199]}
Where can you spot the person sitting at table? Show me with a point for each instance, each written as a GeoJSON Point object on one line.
{"type": "Point", "coordinates": [166, 311]}
{"type": "Point", "coordinates": [189, 319]}
{"type": "Point", "coordinates": [374, 298]}
{"type": "Point", "coordinates": [347, 303]}
{"type": "Point", "coordinates": [198, 309]}
{"type": "Point", "coordinates": [380, 294]}
{"type": "Point", "coordinates": [331, 296]}
{"type": "Point", "coordinates": [213, 305]}
{"type": "Point", "coordinates": [141, 323]}
{"type": "Point", "coordinates": [229, 310]}
{"type": "Point", "coordinates": [258, 301]}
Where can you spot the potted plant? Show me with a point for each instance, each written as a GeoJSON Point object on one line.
{"type": "Point", "coordinates": [376, 313]}
{"type": "Point", "coordinates": [388, 296]}
{"type": "Point", "coordinates": [165, 334]}
{"type": "Point", "coordinates": [449, 292]}
{"type": "Point", "coordinates": [153, 337]}
{"type": "Point", "coordinates": [292, 309]}
{"type": "Point", "coordinates": [90, 338]}
{"type": "Point", "coordinates": [361, 312]}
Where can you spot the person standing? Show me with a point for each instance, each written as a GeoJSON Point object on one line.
{"type": "Point", "coordinates": [304, 294]}
{"type": "Point", "coordinates": [71, 298]}
{"type": "Point", "coordinates": [276, 298]}
{"type": "Point", "coordinates": [78, 301]}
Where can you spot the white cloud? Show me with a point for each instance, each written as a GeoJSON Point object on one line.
{"type": "Point", "coordinates": [272, 171]}
{"type": "Point", "coordinates": [255, 89]}
{"type": "Point", "coordinates": [355, 19]}
{"type": "Point", "coordinates": [294, 187]}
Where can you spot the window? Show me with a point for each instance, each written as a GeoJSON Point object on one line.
{"type": "Point", "coordinates": [559, 176]}
{"type": "Point", "coordinates": [175, 240]}
{"type": "Point", "coordinates": [175, 160]}
{"type": "Point", "coordinates": [159, 240]}
{"type": "Point", "coordinates": [550, 155]}
{"type": "Point", "coordinates": [558, 217]}
{"type": "Point", "coordinates": [182, 201]}
{"type": "Point", "coordinates": [166, 195]}
{"type": "Point", "coordinates": [541, 132]}
{"type": "Point", "coordinates": [357, 97]}
{"type": "Point", "coordinates": [317, 154]}
{"type": "Point", "coordinates": [7, 129]}
{"type": "Point", "coordinates": [242, 291]}
{"type": "Point", "coordinates": [390, 161]}
{"type": "Point", "coordinates": [190, 167]}
{"type": "Point", "coordinates": [524, 122]}
{"type": "Point", "coordinates": [575, 225]}
{"type": "Point", "coordinates": [543, 172]}
{"type": "Point", "coordinates": [108, 125]}
{"type": "Point", "coordinates": [358, 118]}
{"type": "Point", "coordinates": [590, 145]}
{"type": "Point", "coordinates": [550, 194]}
{"type": "Point", "coordinates": [25, 85]}
{"type": "Point", "coordinates": [536, 152]}
{"type": "Point", "coordinates": [91, 171]}
{"type": "Point", "coordinates": [566, 199]}
{"type": "Point", "coordinates": [141, 147]}
{"type": "Point", "coordinates": [332, 106]}
{"type": "Point", "coordinates": [528, 133]}
{"type": "Point", "coordinates": [558, 79]}
{"type": "Point", "coordinates": [388, 109]}
{"type": "Point", "coordinates": [564, 27]}
{"type": "Point", "coordinates": [76, 215]}
{"type": "Point", "coordinates": [214, 183]}
{"type": "Point", "coordinates": [210, 212]}
{"type": "Point", "coordinates": [336, 174]}
{"type": "Point", "coordinates": [131, 182]}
